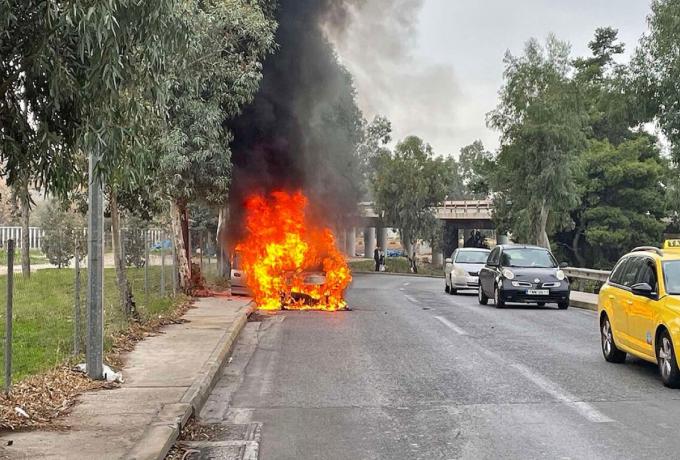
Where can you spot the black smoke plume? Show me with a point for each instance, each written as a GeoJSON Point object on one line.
{"type": "Point", "coordinates": [301, 130]}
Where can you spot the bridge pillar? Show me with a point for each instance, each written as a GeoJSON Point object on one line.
{"type": "Point", "coordinates": [437, 258]}
{"type": "Point", "coordinates": [382, 237]}
{"type": "Point", "coordinates": [341, 240]}
{"type": "Point", "coordinates": [351, 242]}
{"type": "Point", "coordinates": [369, 241]}
{"type": "Point", "coordinates": [450, 243]}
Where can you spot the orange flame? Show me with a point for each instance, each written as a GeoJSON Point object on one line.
{"type": "Point", "coordinates": [288, 261]}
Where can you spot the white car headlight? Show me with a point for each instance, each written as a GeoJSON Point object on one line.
{"type": "Point", "coordinates": [508, 274]}
{"type": "Point", "coordinates": [459, 271]}
{"type": "Point", "coordinates": [560, 275]}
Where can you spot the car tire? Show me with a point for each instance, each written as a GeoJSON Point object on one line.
{"type": "Point", "coordinates": [481, 297]}
{"type": "Point", "coordinates": [453, 290]}
{"type": "Point", "coordinates": [610, 351]}
{"type": "Point", "coordinates": [668, 364]}
{"type": "Point", "coordinates": [563, 305]}
{"type": "Point", "coordinates": [497, 299]}
{"type": "Point", "coordinates": [447, 289]}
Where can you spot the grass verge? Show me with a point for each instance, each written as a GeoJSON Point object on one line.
{"type": "Point", "coordinates": [395, 265]}
{"type": "Point", "coordinates": [44, 318]}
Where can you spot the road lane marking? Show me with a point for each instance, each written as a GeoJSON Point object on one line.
{"type": "Point", "coordinates": [557, 392]}
{"type": "Point", "coordinates": [411, 299]}
{"type": "Point", "coordinates": [406, 284]}
{"type": "Point", "coordinates": [402, 289]}
{"type": "Point", "coordinates": [451, 326]}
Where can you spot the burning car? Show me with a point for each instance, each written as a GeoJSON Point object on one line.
{"type": "Point", "coordinates": [289, 261]}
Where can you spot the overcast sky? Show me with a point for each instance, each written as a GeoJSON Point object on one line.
{"type": "Point", "coordinates": [438, 75]}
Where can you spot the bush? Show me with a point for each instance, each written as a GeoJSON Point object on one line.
{"type": "Point", "coordinates": [62, 230]}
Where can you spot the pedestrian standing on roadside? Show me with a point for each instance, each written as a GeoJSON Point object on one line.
{"type": "Point", "coordinates": [376, 258]}
{"type": "Point", "coordinates": [381, 263]}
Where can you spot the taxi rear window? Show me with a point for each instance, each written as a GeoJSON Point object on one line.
{"type": "Point", "coordinates": [671, 273]}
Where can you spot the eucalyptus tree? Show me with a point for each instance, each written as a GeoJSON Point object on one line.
{"type": "Point", "coordinates": [210, 81]}
{"type": "Point", "coordinates": [410, 182]}
{"type": "Point", "coordinates": [541, 120]}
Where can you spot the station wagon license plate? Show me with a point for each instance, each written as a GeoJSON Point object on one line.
{"type": "Point", "coordinates": [538, 291]}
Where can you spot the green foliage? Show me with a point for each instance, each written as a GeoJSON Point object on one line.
{"type": "Point", "coordinates": [656, 66]}
{"type": "Point", "coordinates": [541, 122]}
{"type": "Point", "coordinates": [91, 74]}
{"type": "Point", "coordinates": [473, 164]}
{"type": "Point", "coordinates": [408, 184]}
{"type": "Point", "coordinates": [134, 242]}
{"type": "Point", "coordinates": [62, 231]}
{"type": "Point", "coordinates": [623, 198]}
{"type": "Point", "coordinates": [217, 73]}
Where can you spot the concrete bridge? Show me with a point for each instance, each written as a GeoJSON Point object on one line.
{"type": "Point", "coordinates": [456, 215]}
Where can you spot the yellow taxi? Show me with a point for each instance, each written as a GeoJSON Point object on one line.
{"type": "Point", "coordinates": [639, 309]}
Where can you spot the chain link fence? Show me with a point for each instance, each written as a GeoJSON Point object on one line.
{"type": "Point", "coordinates": [44, 313]}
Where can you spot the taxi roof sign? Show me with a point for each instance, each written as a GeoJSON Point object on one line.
{"type": "Point", "coordinates": [672, 244]}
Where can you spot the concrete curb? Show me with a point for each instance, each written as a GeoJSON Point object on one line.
{"type": "Point", "coordinates": [161, 434]}
{"type": "Point", "coordinates": [582, 305]}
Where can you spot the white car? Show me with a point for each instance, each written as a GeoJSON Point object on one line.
{"type": "Point", "coordinates": [461, 271]}
{"type": "Point", "coordinates": [238, 277]}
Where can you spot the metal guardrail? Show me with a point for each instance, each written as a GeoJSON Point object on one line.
{"type": "Point", "coordinates": [586, 274]}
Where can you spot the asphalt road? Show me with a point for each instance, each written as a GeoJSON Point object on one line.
{"type": "Point", "coordinates": [414, 373]}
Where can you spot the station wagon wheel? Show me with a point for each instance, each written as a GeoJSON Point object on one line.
{"type": "Point", "coordinates": [668, 365]}
{"type": "Point", "coordinates": [609, 349]}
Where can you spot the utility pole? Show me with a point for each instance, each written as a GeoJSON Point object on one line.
{"type": "Point", "coordinates": [95, 272]}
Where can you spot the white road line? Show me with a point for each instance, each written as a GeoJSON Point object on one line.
{"type": "Point", "coordinates": [406, 284]}
{"type": "Point", "coordinates": [411, 299]}
{"type": "Point", "coordinates": [553, 389]}
{"type": "Point", "coordinates": [451, 326]}
{"type": "Point", "coordinates": [402, 289]}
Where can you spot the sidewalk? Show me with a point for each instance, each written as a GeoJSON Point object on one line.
{"type": "Point", "coordinates": [167, 377]}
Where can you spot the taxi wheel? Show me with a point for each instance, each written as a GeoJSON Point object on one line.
{"type": "Point", "coordinates": [497, 299]}
{"type": "Point", "coordinates": [609, 349]}
{"type": "Point", "coordinates": [453, 290]}
{"type": "Point", "coordinates": [483, 299]}
{"type": "Point", "coordinates": [563, 305]}
{"type": "Point", "coordinates": [668, 365]}
{"type": "Point", "coordinates": [446, 287]}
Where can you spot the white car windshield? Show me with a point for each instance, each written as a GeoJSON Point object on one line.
{"type": "Point", "coordinates": [528, 258]}
{"type": "Point", "coordinates": [471, 257]}
{"type": "Point", "coordinates": [671, 272]}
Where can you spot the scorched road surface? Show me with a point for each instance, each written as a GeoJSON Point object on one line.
{"type": "Point", "coordinates": [414, 373]}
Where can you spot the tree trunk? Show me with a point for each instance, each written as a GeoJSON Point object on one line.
{"type": "Point", "coordinates": [121, 276]}
{"type": "Point", "coordinates": [180, 236]}
{"type": "Point", "coordinates": [540, 227]}
{"type": "Point", "coordinates": [25, 237]}
{"type": "Point", "coordinates": [221, 241]}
